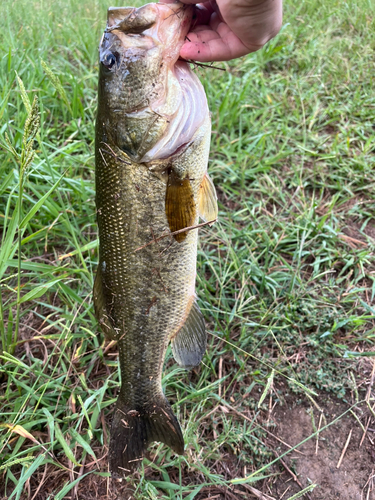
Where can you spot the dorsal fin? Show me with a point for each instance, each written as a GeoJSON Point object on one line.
{"type": "Point", "coordinates": [99, 305]}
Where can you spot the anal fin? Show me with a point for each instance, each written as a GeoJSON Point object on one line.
{"type": "Point", "coordinates": [189, 345]}
{"type": "Point", "coordinates": [207, 200]}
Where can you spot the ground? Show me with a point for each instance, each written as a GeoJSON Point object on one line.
{"type": "Point", "coordinates": [319, 462]}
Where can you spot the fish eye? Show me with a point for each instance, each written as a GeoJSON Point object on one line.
{"type": "Point", "coordinates": [110, 59]}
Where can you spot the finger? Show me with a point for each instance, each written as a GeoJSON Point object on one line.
{"type": "Point", "coordinates": [202, 34]}
{"type": "Point", "coordinates": [209, 46]}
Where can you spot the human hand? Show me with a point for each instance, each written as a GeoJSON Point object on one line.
{"type": "Point", "coordinates": [226, 29]}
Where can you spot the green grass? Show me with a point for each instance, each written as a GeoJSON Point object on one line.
{"type": "Point", "coordinates": [286, 279]}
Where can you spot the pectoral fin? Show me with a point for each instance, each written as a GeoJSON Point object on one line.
{"type": "Point", "coordinates": [207, 200]}
{"type": "Point", "coordinates": [189, 345]}
{"type": "Point", "coordinates": [179, 205]}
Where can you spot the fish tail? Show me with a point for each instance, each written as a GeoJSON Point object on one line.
{"type": "Point", "coordinates": [134, 429]}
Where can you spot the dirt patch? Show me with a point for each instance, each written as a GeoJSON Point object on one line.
{"type": "Point", "coordinates": [353, 230]}
{"type": "Point", "coordinates": [318, 464]}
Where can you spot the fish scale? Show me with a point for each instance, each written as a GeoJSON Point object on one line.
{"type": "Point", "coordinates": [144, 292]}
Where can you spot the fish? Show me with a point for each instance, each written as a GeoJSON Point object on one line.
{"type": "Point", "coordinates": [152, 143]}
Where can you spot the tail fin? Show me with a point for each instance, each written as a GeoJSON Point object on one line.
{"type": "Point", "coordinates": [134, 429]}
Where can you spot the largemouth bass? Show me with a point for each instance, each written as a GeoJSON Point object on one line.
{"type": "Point", "coordinates": [152, 145]}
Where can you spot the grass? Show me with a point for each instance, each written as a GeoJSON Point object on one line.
{"type": "Point", "coordinates": [286, 279]}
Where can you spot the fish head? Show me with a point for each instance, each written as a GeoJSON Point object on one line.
{"type": "Point", "coordinates": [138, 48]}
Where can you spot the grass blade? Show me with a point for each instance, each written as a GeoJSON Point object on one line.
{"type": "Point", "coordinates": [65, 445]}
{"type": "Point", "coordinates": [26, 475]}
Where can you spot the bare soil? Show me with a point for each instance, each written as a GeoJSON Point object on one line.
{"type": "Point", "coordinates": [352, 480]}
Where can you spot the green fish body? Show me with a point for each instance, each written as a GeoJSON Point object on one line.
{"type": "Point", "coordinates": [152, 145]}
